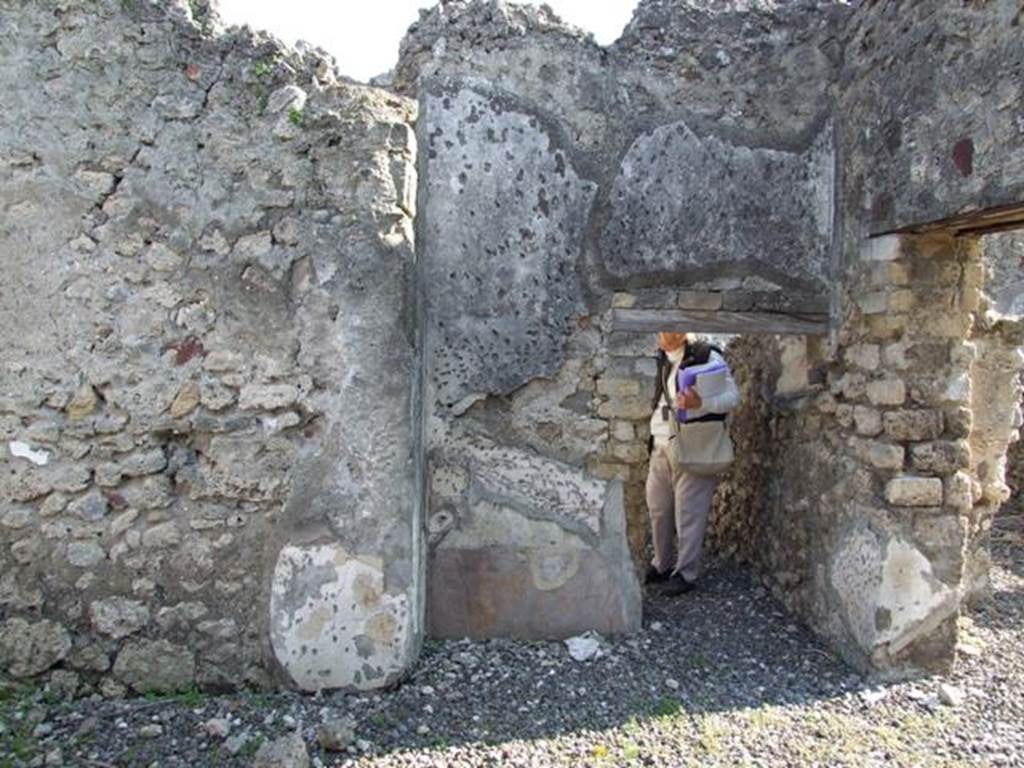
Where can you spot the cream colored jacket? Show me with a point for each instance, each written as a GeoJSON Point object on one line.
{"type": "Point", "coordinates": [723, 402]}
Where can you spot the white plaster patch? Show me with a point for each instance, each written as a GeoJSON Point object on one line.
{"type": "Point", "coordinates": [332, 624]}
{"type": "Point", "coordinates": [891, 596]}
{"type": "Point", "coordinates": [916, 602]}
{"type": "Point", "coordinates": [24, 451]}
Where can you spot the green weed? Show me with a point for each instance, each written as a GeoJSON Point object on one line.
{"type": "Point", "coordinates": [263, 68]}
{"type": "Point", "coordinates": [665, 708]}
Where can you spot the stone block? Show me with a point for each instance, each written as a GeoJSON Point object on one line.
{"type": "Point", "coordinates": [867, 421]}
{"type": "Point", "coordinates": [143, 463]}
{"type": "Point", "coordinates": [941, 457]}
{"type": "Point", "coordinates": [899, 273]}
{"type": "Point", "coordinates": [632, 453]}
{"type": "Point", "coordinates": [886, 248]}
{"type": "Point", "coordinates": [82, 404]}
{"type": "Point", "coordinates": [223, 361]}
{"type": "Point", "coordinates": [885, 327]}
{"type": "Point", "coordinates": [625, 408]}
{"type": "Point", "coordinates": [118, 617]}
{"type": "Point", "coordinates": [850, 385]}
{"type": "Point", "coordinates": [84, 554]}
{"type": "Point", "coordinates": [155, 666]}
{"type": "Point", "coordinates": [948, 325]}
{"type": "Point", "coordinates": [610, 471]}
{"type": "Point", "coordinates": [623, 431]}
{"type": "Point", "coordinates": [161, 258]}
{"type": "Point", "coordinates": [893, 273]}
{"type": "Point", "coordinates": [912, 491]}
{"type": "Point", "coordinates": [934, 529]}
{"type": "Point", "coordinates": [957, 388]}
{"type": "Point", "coordinates": [267, 397]}
{"type": "Point", "coordinates": [844, 415]}
{"type": "Point", "coordinates": [866, 356]}
{"type": "Point", "coordinates": [706, 300]}
{"type": "Point", "coordinates": [622, 300]}
{"type": "Point", "coordinates": [185, 401]}
{"type": "Point", "coordinates": [886, 392]}
{"type": "Point", "coordinates": [959, 422]}
{"type": "Point", "coordinates": [30, 648]}
{"type": "Point", "coordinates": [873, 303]}
{"type": "Point", "coordinates": [959, 491]}
{"type": "Point", "coordinates": [913, 425]}
{"type": "Point", "coordinates": [901, 301]}
{"type": "Point", "coordinates": [618, 387]}
{"type": "Point", "coordinates": [162, 536]}
{"type": "Point", "coordinates": [16, 517]}
{"type": "Point", "coordinates": [935, 271]}
{"type": "Point", "coordinates": [879, 454]}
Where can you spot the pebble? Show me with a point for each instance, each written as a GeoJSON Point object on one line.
{"type": "Point", "coordinates": [672, 684]}
{"type": "Point", "coordinates": [950, 695]}
{"type": "Point", "coordinates": [42, 730]}
{"type": "Point", "coordinates": [873, 695]}
{"type": "Point", "coordinates": [151, 731]}
{"type": "Point", "coordinates": [217, 727]}
{"type": "Point", "coordinates": [584, 647]}
{"type": "Point", "coordinates": [234, 744]}
{"type": "Point", "coordinates": [336, 734]}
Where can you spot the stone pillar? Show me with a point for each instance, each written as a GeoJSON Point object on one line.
{"type": "Point", "coordinates": [903, 396]}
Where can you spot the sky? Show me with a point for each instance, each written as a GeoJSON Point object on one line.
{"type": "Point", "coordinates": [363, 35]}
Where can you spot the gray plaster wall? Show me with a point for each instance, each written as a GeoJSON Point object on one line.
{"type": "Point", "coordinates": [932, 93]}
{"type": "Point", "coordinates": [690, 145]}
{"type": "Point", "coordinates": [207, 330]}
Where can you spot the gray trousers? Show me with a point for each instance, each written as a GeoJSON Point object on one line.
{"type": "Point", "coordinates": [678, 508]}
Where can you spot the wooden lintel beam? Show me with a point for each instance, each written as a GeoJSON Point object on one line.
{"type": "Point", "coordinates": [717, 321]}
{"type": "Point", "coordinates": [996, 219]}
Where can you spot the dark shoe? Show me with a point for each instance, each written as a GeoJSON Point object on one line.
{"type": "Point", "coordinates": [653, 575]}
{"type": "Point", "coordinates": [676, 585]}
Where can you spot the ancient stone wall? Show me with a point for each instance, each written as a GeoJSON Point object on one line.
{"type": "Point", "coordinates": [205, 404]}
{"type": "Point", "coordinates": [554, 175]}
{"type": "Point", "coordinates": [230, 395]}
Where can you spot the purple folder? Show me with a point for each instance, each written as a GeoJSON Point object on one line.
{"type": "Point", "coordinates": [687, 377]}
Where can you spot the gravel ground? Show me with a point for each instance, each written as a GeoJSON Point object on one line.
{"type": "Point", "coordinates": [719, 677]}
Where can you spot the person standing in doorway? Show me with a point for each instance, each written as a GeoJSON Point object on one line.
{"type": "Point", "coordinates": [678, 501]}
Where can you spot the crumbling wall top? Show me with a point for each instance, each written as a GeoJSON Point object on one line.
{"type": "Point", "coordinates": [462, 28]}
